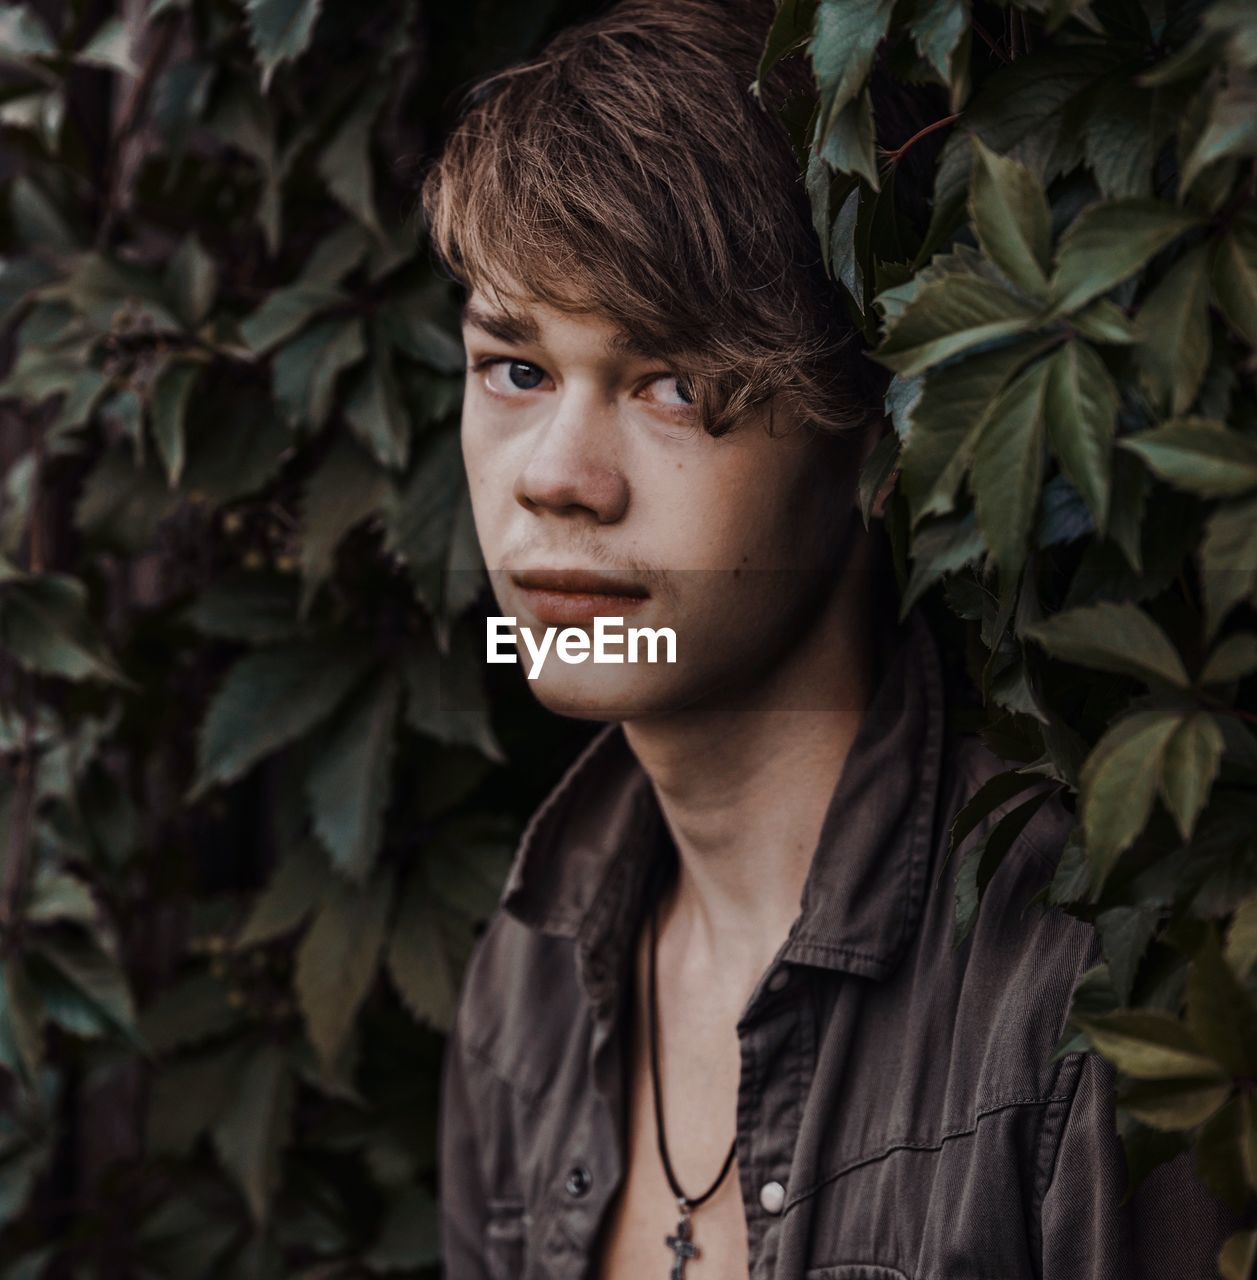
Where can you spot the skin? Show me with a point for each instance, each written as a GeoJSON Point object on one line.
{"type": "Point", "coordinates": [582, 455]}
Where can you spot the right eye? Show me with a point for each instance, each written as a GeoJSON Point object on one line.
{"type": "Point", "coordinates": [505, 376]}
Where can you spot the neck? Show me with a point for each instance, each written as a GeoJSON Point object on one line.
{"type": "Point", "coordinates": [746, 823]}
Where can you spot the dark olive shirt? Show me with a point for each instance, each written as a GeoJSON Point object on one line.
{"type": "Point", "coordinates": [897, 1089]}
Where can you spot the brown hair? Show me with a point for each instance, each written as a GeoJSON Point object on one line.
{"type": "Point", "coordinates": [629, 171]}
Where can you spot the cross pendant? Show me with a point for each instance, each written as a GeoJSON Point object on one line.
{"type": "Point", "coordinates": [682, 1248]}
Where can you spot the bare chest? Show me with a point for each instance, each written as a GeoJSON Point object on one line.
{"type": "Point", "coordinates": [699, 1067]}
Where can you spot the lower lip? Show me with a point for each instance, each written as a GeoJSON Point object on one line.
{"type": "Point", "coordinates": [556, 608]}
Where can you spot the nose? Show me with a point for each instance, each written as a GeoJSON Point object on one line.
{"type": "Point", "coordinates": [575, 466]}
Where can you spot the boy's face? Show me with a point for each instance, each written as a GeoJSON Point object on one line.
{"type": "Point", "coordinates": [583, 455]}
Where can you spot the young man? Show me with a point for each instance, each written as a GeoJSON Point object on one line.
{"type": "Point", "coordinates": [717, 1027]}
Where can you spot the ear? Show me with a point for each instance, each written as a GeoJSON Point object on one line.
{"type": "Point", "coordinates": [876, 432]}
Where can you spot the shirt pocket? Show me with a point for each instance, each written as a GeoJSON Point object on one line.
{"type": "Point", "coordinates": [855, 1271]}
{"type": "Point", "coordinates": [506, 1239]}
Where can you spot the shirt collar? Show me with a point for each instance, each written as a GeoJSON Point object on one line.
{"type": "Point", "coordinates": [585, 854]}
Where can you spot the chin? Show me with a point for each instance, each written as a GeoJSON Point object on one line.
{"type": "Point", "coordinates": [607, 693]}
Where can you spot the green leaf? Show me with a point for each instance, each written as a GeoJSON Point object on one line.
{"type": "Point", "coordinates": [1238, 1257]}
{"type": "Point", "coordinates": [1108, 242]}
{"type": "Point", "coordinates": [251, 607]}
{"type": "Point", "coordinates": [876, 471]}
{"type": "Point", "coordinates": [350, 779]}
{"type": "Point", "coordinates": [267, 700]}
{"type": "Point", "coordinates": [187, 1012]}
{"type": "Point", "coordinates": [110, 47]}
{"type": "Point", "coordinates": [1082, 402]}
{"type": "Point", "coordinates": [1233, 279]}
{"type": "Point", "coordinates": [187, 1097]}
{"type": "Point", "coordinates": [410, 1235]}
{"type": "Point", "coordinates": [1123, 129]}
{"type": "Point", "coordinates": [347, 489]}
{"type": "Point", "coordinates": [937, 28]}
{"type": "Point", "coordinates": [280, 31]}
{"type": "Point", "coordinates": [98, 998]}
{"type": "Point", "coordinates": [1220, 1012]}
{"type": "Point", "coordinates": [1219, 1157]}
{"type": "Point", "coordinates": [255, 1126]}
{"type": "Point", "coordinates": [295, 889]}
{"type": "Point", "coordinates": [944, 423]}
{"type": "Point", "coordinates": [375, 412]}
{"type": "Point", "coordinates": [1008, 466]}
{"type": "Point", "coordinates": [1176, 1104]}
{"type": "Point", "coordinates": [191, 279]}
{"type": "Point", "coordinates": [241, 454]}
{"type": "Point", "coordinates": [1071, 882]}
{"type": "Point", "coordinates": [21, 1022]}
{"type": "Point", "coordinates": [37, 222]}
{"type": "Point", "coordinates": [336, 255]}
{"type": "Point", "coordinates": [1119, 781]}
{"type": "Point", "coordinates": [409, 323]}
{"type": "Point", "coordinates": [445, 696]}
{"type": "Point", "coordinates": [345, 164]}
{"type": "Point", "coordinates": [286, 311]}
{"type": "Point", "coordinates": [1231, 130]}
{"type": "Point", "coordinates": [305, 370]}
{"type": "Point", "coordinates": [45, 625]}
{"type": "Point", "coordinates": [1173, 329]}
{"type": "Point", "coordinates": [791, 27]}
{"type": "Point", "coordinates": [1188, 769]}
{"type": "Point", "coordinates": [1201, 455]}
{"type": "Point", "coordinates": [939, 548]}
{"type": "Point", "coordinates": [23, 33]}
{"type": "Point", "coordinates": [1009, 211]}
{"type": "Point", "coordinates": [842, 50]}
{"type": "Point", "coordinates": [1102, 322]}
{"type": "Point", "coordinates": [1150, 1045]}
{"type": "Point", "coordinates": [427, 952]}
{"type": "Point", "coordinates": [1125, 933]}
{"type": "Point", "coordinates": [1248, 1139]}
{"type": "Point", "coordinates": [850, 145]}
{"type": "Point", "coordinates": [1233, 659]}
{"type": "Point", "coordinates": [1228, 560]}
{"type": "Point", "coordinates": [422, 525]}
{"type": "Point", "coordinates": [1112, 636]}
{"type": "Point", "coordinates": [57, 895]}
{"type": "Point", "coordinates": [948, 317]}
{"type": "Point", "coordinates": [169, 414]}
{"type": "Point", "coordinates": [338, 959]}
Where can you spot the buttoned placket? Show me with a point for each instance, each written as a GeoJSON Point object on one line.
{"type": "Point", "coordinates": [597, 1147]}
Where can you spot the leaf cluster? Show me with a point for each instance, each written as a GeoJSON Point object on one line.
{"type": "Point", "coordinates": [245, 831]}
{"type": "Point", "coordinates": [1072, 474]}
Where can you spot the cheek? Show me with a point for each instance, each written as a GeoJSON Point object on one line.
{"type": "Point", "coordinates": [765, 516]}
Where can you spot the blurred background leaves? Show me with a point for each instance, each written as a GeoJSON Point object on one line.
{"type": "Point", "coordinates": [252, 811]}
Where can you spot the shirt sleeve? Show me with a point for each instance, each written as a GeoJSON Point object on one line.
{"type": "Point", "coordinates": [460, 1189]}
{"type": "Point", "coordinates": [1173, 1227]}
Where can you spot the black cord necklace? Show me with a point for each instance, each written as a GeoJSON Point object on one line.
{"type": "Point", "coordinates": [681, 1244]}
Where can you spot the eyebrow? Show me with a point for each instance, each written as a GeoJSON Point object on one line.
{"type": "Point", "coordinates": [523, 329]}
{"type": "Point", "coordinates": [497, 324]}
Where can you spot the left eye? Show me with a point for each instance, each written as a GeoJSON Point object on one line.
{"type": "Point", "coordinates": [680, 388]}
{"type": "Point", "coordinates": [520, 375]}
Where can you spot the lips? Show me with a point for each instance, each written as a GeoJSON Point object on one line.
{"type": "Point", "coordinates": [575, 596]}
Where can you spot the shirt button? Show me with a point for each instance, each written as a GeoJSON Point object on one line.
{"type": "Point", "coordinates": [772, 1195]}
{"type": "Point", "coordinates": [579, 1180]}
{"type": "Point", "coordinates": [779, 979]}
